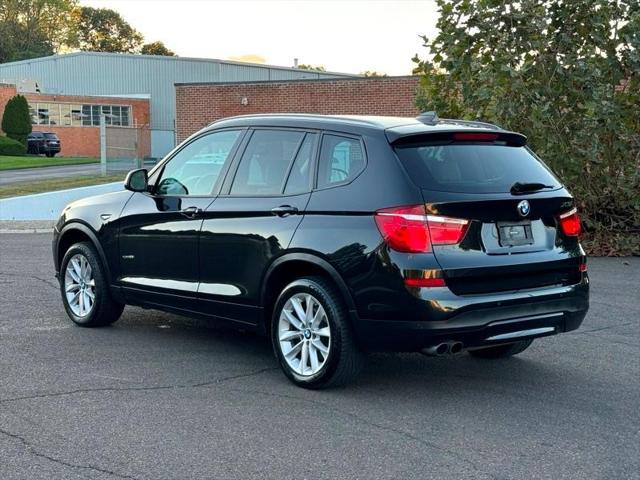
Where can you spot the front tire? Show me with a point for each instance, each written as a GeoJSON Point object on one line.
{"type": "Point", "coordinates": [312, 337]}
{"type": "Point", "coordinates": [84, 288]}
{"type": "Point", "coordinates": [502, 351]}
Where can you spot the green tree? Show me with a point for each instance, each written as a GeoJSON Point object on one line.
{"type": "Point", "coordinates": [373, 73]}
{"type": "Point", "coordinates": [567, 74]}
{"type": "Point", "coordinates": [35, 28]}
{"type": "Point", "coordinates": [315, 68]}
{"type": "Point", "coordinates": [156, 48]}
{"type": "Point", "coordinates": [16, 120]}
{"type": "Point", "coordinates": [104, 30]}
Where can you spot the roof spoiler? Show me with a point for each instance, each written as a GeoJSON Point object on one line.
{"type": "Point", "coordinates": [446, 136]}
{"type": "Point", "coordinates": [431, 118]}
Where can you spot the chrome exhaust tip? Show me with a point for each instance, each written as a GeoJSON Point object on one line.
{"type": "Point", "coordinates": [436, 350]}
{"type": "Point", "coordinates": [456, 348]}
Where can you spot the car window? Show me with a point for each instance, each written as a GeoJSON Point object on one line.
{"type": "Point", "coordinates": [341, 160]}
{"type": "Point", "coordinates": [195, 169]}
{"type": "Point", "coordinates": [265, 162]}
{"type": "Point", "coordinates": [51, 136]}
{"type": "Point", "coordinates": [299, 176]}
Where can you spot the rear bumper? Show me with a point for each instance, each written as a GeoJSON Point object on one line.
{"type": "Point", "coordinates": [480, 320]}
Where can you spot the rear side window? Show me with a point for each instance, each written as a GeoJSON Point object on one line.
{"type": "Point", "coordinates": [473, 168]}
{"type": "Point", "coordinates": [265, 162]}
{"type": "Point", "coordinates": [341, 160]}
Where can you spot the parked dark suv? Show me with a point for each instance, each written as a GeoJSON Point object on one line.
{"type": "Point", "coordinates": [336, 236]}
{"type": "Point", "coordinates": [43, 143]}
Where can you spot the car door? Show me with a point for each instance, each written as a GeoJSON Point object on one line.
{"type": "Point", "coordinates": [159, 229]}
{"type": "Point", "coordinates": [253, 220]}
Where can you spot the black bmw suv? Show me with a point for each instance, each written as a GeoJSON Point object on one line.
{"type": "Point", "coordinates": [335, 236]}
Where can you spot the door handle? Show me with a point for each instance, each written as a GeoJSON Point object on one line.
{"type": "Point", "coordinates": [191, 212]}
{"type": "Point", "coordinates": [284, 210]}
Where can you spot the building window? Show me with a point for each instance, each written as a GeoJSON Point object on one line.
{"type": "Point", "coordinates": [68, 115]}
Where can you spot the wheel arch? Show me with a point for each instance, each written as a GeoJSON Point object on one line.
{"type": "Point", "coordinates": [287, 268]}
{"type": "Point", "coordinates": [75, 232]}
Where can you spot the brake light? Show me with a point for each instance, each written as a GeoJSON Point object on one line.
{"type": "Point", "coordinates": [570, 223]}
{"type": "Point", "coordinates": [445, 230]}
{"type": "Point", "coordinates": [582, 267]}
{"type": "Point", "coordinates": [475, 137]}
{"type": "Point", "coordinates": [411, 230]}
{"type": "Point", "coordinates": [404, 228]}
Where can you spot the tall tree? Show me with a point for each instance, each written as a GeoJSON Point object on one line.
{"type": "Point", "coordinates": [104, 30]}
{"type": "Point", "coordinates": [565, 73]}
{"type": "Point", "coordinates": [34, 28]}
{"type": "Point", "coordinates": [156, 48]}
{"type": "Point", "coordinates": [16, 120]}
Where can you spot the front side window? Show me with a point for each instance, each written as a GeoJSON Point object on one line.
{"type": "Point", "coordinates": [265, 162]}
{"type": "Point", "coordinates": [196, 168]}
{"type": "Point", "coordinates": [341, 160]}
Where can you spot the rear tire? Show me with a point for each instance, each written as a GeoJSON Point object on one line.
{"type": "Point", "coordinates": [84, 288]}
{"type": "Point", "coordinates": [502, 351]}
{"type": "Point", "coordinates": [315, 347]}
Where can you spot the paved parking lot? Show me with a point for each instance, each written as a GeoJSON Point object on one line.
{"type": "Point", "coordinates": [158, 396]}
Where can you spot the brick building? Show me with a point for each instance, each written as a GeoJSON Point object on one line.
{"type": "Point", "coordinates": [199, 104]}
{"type": "Point", "coordinates": [76, 119]}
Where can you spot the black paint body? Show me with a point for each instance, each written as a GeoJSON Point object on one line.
{"type": "Point", "coordinates": [228, 260]}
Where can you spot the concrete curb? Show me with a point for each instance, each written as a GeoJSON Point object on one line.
{"type": "Point", "coordinates": [26, 226]}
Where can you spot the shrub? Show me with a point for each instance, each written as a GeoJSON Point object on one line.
{"type": "Point", "coordinates": [566, 74]}
{"type": "Point", "coordinates": [16, 121]}
{"type": "Point", "coordinates": [9, 146]}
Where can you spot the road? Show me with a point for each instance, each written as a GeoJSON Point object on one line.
{"type": "Point", "coordinates": [158, 396]}
{"type": "Point", "coordinates": [47, 173]}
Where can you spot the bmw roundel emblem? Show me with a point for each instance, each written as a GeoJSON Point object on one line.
{"type": "Point", "coordinates": [524, 208]}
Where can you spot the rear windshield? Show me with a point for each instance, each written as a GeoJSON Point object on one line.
{"type": "Point", "coordinates": [51, 136]}
{"type": "Point", "coordinates": [473, 168]}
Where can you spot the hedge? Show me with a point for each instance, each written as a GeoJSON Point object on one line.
{"type": "Point", "coordinates": [9, 146]}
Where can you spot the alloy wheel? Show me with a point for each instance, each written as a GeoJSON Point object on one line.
{"type": "Point", "coordinates": [304, 334]}
{"type": "Point", "coordinates": [80, 285]}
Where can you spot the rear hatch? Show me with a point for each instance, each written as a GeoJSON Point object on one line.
{"type": "Point", "coordinates": [513, 204]}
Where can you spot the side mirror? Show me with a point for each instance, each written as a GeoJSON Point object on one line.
{"type": "Point", "coordinates": [137, 180]}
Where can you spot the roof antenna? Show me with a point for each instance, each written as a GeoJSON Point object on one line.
{"type": "Point", "coordinates": [428, 118]}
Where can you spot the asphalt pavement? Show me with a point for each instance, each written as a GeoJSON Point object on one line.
{"type": "Point", "coordinates": [158, 396]}
{"type": "Point", "coordinates": [8, 177]}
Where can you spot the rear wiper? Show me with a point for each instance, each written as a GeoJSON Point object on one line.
{"type": "Point", "coordinates": [518, 187]}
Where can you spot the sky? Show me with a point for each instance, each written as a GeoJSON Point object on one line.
{"type": "Point", "coordinates": [342, 35]}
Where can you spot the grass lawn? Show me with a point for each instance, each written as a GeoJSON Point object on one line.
{"type": "Point", "coordinates": [30, 161]}
{"type": "Point", "coordinates": [41, 186]}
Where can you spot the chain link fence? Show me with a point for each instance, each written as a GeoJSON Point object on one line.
{"type": "Point", "coordinates": [125, 148]}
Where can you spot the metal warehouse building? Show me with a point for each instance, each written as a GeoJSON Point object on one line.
{"type": "Point", "coordinates": [143, 76]}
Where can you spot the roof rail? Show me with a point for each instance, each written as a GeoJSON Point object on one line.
{"type": "Point", "coordinates": [472, 123]}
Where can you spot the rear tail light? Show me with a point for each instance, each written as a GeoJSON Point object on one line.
{"type": "Point", "coordinates": [411, 230]}
{"type": "Point", "coordinates": [570, 223]}
{"type": "Point", "coordinates": [445, 230]}
{"type": "Point", "coordinates": [582, 267]}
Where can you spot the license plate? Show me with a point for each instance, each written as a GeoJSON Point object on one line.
{"type": "Point", "coordinates": [515, 234]}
